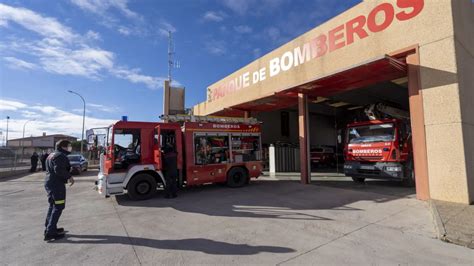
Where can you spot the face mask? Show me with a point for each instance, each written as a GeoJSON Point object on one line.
{"type": "Point", "coordinates": [69, 148]}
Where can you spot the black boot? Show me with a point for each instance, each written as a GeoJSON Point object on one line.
{"type": "Point", "coordinates": [48, 237]}
{"type": "Point", "coordinates": [59, 230]}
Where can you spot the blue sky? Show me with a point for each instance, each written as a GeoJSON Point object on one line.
{"type": "Point", "coordinates": [114, 53]}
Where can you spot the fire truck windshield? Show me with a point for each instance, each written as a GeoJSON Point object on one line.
{"type": "Point", "coordinates": [371, 133]}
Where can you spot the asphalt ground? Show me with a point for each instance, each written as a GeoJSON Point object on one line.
{"type": "Point", "coordinates": [271, 221]}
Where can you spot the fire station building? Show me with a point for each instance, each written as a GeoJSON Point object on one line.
{"type": "Point", "coordinates": [417, 55]}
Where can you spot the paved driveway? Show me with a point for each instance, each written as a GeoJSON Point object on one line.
{"type": "Point", "coordinates": [270, 222]}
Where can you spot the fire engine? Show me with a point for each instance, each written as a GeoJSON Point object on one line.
{"type": "Point", "coordinates": [210, 150]}
{"type": "Point", "coordinates": [380, 147]}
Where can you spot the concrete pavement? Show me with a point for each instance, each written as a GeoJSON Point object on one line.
{"type": "Point", "coordinates": [455, 222]}
{"type": "Point", "coordinates": [268, 222]}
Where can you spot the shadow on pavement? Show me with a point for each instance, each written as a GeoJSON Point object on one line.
{"type": "Point", "coordinates": [279, 199]}
{"type": "Point", "coordinates": [193, 244]}
{"type": "Point", "coordinates": [386, 187]}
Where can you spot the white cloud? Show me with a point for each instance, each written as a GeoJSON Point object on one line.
{"type": "Point", "coordinates": [49, 119]}
{"type": "Point", "coordinates": [92, 35]}
{"type": "Point", "coordinates": [238, 6]}
{"type": "Point", "coordinates": [11, 105]}
{"type": "Point", "coordinates": [56, 53]}
{"type": "Point", "coordinates": [124, 31]}
{"type": "Point", "coordinates": [102, 6]}
{"type": "Point", "coordinates": [165, 28]}
{"type": "Point", "coordinates": [216, 47]}
{"type": "Point", "coordinates": [214, 16]}
{"type": "Point", "coordinates": [30, 114]}
{"type": "Point", "coordinates": [134, 76]}
{"type": "Point", "coordinates": [243, 29]}
{"type": "Point", "coordinates": [87, 62]}
{"type": "Point", "coordinates": [44, 26]}
{"type": "Point", "coordinates": [16, 63]}
{"type": "Point", "coordinates": [105, 10]}
{"type": "Point", "coordinates": [103, 108]}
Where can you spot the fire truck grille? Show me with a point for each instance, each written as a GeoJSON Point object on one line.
{"type": "Point", "coordinates": [369, 158]}
{"type": "Point", "coordinates": [369, 172]}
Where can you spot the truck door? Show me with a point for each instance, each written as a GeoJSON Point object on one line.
{"type": "Point", "coordinates": [157, 148]}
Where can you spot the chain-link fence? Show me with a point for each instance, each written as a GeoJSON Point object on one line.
{"type": "Point", "coordinates": [12, 161]}
{"type": "Point", "coordinates": [18, 160]}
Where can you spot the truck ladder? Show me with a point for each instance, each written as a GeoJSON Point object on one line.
{"type": "Point", "coordinates": [211, 119]}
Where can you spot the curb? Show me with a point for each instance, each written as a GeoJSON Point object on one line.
{"type": "Point", "coordinates": [438, 222]}
{"type": "Point", "coordinates": [441, 230]}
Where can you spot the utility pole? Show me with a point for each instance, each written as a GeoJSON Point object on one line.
{"type": "Point", "coordinates": [6, 140]}
{"type": "Point", "coordinates": [83, 117]}
{"type": "Point", "coordinates": [23, 139]}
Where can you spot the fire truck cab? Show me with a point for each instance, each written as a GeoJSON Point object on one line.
{"type": "Point", "coordinates": [215, 150]}
{"type": "Point", "coordinates": [379, 149]}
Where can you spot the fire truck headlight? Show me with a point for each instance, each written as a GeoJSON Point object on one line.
{"type": "Point", "coordinates": [347, 166]}
{"type": "Point", "coordinates": [393, 169]}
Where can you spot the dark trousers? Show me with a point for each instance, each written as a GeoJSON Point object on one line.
{"type": "Point", "coordinates": [43, 166]}
{"type": "Point", "coordinates": [171, 187]}
{"type": "Point", "coordinates": [57, 202]}
{"type": "Point", "coordinates": [33, 167]}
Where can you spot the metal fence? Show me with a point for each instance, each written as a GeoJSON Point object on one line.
{"type": "Point", "coordinates": [14, 159]}
{"type": "Point", "coordinates": [287, 159]}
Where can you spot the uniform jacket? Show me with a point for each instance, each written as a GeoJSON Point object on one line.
{"type": "Point", "coordinates": [57, 168]}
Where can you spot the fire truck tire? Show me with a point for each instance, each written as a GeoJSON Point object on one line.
{"type": "Point", "coordinates": [358, 179]}
{"type": "Point", "coordinates": [237, 177]}
{"type": "Point", "coordinates": [141, 187]}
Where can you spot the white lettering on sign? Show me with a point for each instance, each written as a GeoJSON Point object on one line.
{"type": "Point", "coordinates": [358, 28]}
{"type": "Point", "coordinates": [226, 126]}
{"type": "Point", "coordinates": [367, 151]}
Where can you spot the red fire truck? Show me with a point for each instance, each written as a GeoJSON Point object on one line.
{"type": "Point", "coordinates": [210, 150]}
{"type": "Point", "coordinates": [380, 148]}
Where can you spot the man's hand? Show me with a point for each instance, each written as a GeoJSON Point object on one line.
{"type": "Point", "coordinates": [71, 181]}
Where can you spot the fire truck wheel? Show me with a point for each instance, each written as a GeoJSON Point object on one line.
{"type": "Point", "coordinates": [358, 179]}
{"type": "Point", "coordinates": [141, 187]}
{"type": "Point", "coordinates": [237, 177]}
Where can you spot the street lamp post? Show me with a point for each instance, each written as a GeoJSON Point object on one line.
{"type": "Point", "coordinates": [23, 139]}
{"type": "Point", "coordinates": [83, 117]}
{"type": "Point", "coordinates": [6, 140]}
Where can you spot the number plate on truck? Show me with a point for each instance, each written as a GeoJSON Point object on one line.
{"type": "Point", "coordinates": [367, 167]}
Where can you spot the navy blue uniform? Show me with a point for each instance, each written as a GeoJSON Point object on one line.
{"type": "Point", "coordinates": [57, 175]}
{"type": "Point", "coordinates": [170, 171]}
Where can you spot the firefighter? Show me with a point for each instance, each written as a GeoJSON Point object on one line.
{"type": "Point", "coordinates": [43, 160]}
{"type": "Point", "coordinates": [170, 169]}
{"type": "Point", "coordinates": [57, 175]}
{"type": "Point", "coordinates": [34, 162]}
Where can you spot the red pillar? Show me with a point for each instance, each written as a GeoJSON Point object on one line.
{"type": "Point", "coordinates": [303, 138]}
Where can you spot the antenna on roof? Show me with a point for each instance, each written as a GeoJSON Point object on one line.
{"type": "Point", "coordinates": [171, 52]}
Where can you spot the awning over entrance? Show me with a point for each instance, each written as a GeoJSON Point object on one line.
{"type": "Point", "coordinates": [380, 69]}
